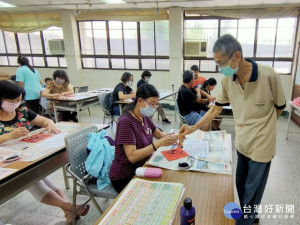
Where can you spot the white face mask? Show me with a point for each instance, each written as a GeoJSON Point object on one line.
{"type": "Point", "coordinates": [129, 83]}
{"type": "Point", "coordinates": [9, 106]}
{"type": "Point", "coordinates": [148, 110]}
{"type": "Point", "coordinates": [147, 79]}
{"type": "Point", "coordinates": [58, 81]}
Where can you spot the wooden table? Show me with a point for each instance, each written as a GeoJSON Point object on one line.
{"type": "Point", "coordinates": [294, 109]}
{"type": "Point", "coordinates": [209, 192]}
{"type": "Point", "coordinates": [29, 172]}
{"type": "Point", "coordinates": [74, 103]}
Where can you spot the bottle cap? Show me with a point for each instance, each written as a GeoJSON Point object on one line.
{"type": "Point", "coordinates": [187, 203]}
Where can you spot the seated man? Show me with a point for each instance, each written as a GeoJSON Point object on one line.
{"type": "Point", "coordinates": [189, 99]}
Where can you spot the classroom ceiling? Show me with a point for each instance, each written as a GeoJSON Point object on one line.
{"type": "Point", "coordinates": [54, 5]}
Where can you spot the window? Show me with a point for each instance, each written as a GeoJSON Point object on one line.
{"type": "Point", "coordinates": [34, 45]}
{"type": "Point", "coordinates": [124, 45]}
{"type": "Point", "coordinates": [268, 41]}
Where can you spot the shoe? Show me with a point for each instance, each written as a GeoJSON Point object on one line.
{"type": "Point", "coordinates": [166, 121]}
{"type": "Point", "coordinates": [256, 220]}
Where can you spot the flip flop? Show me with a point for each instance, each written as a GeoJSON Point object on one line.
{"type": "Point", "coordinates": [83, 210]}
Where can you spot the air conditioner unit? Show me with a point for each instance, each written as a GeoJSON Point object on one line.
{"type": "Point", "coordinates": [195, 48]}
{"type": "Point", "coordinates": [56, 46]}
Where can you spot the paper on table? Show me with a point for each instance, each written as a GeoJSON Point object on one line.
{"type": "Point", "coordinates": [174, 154]}
{"type": "Point", "coordinates": [4, 172]}
{"type": "Point", "coordinates": [67, 127]}
{"type": "Point", "coordinates": [145, 202]}
{"type": "Point", "coordinates": [43, 148]}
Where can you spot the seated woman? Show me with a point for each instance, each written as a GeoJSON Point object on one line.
{"type": "Point", "coordinates": [60, 87]}
{"type": "Point", "coordinates": [146, 75]}
{"type": "Point", "coordinates": [122, 91]}
{"type": "Point", "coordinates": [134, 137]}
{"type": "Point", "coordinates": [207, 87]}
{"type": "Point", "coordinates": [14, 123]}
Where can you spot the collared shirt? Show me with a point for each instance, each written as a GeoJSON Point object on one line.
{"type": "Point", "coordinates": [254, 110]}
{"type": "Point", "coordinates": [140, 82]}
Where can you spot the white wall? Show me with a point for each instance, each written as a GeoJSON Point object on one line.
{"type": "Point", "coordinates": [109, 78]}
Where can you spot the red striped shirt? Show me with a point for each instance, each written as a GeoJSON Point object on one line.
{"type": "Point", "coordinates": [130, 131]}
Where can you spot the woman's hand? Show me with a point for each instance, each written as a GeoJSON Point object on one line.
{"type": "Point", "coordinates": [51, 127]}
{"type": "Point", "coordinates": [56, 95]}
{"type": "Point", "coordinates": [18, 132]}
{"type": "Point", "coordinates": [167, 140]}
{"type": "Point", "coordinates": [184, 130]}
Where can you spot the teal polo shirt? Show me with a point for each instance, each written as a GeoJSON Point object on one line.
{"type": "Point", "coordinates": [31, 81]}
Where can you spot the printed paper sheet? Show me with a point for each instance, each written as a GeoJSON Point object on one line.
{"type": "Point", "coordinates": [208, 152]}
{"type": "Point", "coordinates": [145, 202]}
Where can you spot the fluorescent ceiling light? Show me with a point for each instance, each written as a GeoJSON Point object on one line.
{"type": "Point", "coordinates": [113, 1]}
{"type": "Point", "coordinates": [6, 5]}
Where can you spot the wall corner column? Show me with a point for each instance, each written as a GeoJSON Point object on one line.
{"type": "Point", "coordinates": [72, 50]}
{"type": "Point", "coordinates": [176, 46]}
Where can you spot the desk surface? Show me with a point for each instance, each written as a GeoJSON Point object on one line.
{"type": "Point", "coordinates": [28, 172]}
{"type": "Point", "coordinates": [209, 192]}
{"type": "Point", "coordinates": [76, 97]}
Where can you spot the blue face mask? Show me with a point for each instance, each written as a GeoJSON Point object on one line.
{"type": "Point", "coordinates": [147, 79]}
{"type": "Point", "coordinates": [227, 70]}
{"type": "Point", "coordinates": [147, 111]}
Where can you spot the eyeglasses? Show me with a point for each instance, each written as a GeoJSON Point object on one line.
{"type": "Point", "coordinates": [222, 64]}
{"type": "Point", "coordinates": [151, 105]}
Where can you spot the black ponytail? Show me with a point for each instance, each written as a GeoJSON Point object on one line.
{"type": "Point", "coordinates": [23, 60]}
{"type": "Point", "coordinates": [211, 81]}
{"type": "Point", "coordinates": [144, 91]}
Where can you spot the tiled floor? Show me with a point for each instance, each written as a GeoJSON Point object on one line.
{"type": "Point", "coordinates": [283, 187]}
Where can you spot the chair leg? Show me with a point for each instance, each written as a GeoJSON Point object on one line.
{"type": "Point", "coordinates": [74, 202]}
{"type": "Point", "coordinates": [94, 201]}
{"type": "Point", "coordinates": [89, 110]}
{"type": "Point", "coordinates": [67, 184]}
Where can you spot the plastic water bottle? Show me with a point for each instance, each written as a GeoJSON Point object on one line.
{"type": "Point", "coordinates": [187, 213]}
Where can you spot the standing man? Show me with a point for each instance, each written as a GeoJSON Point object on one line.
{"type": "Point", "coordinates": [256, 96]}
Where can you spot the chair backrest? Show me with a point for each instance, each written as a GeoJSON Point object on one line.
{"type": "Point", "coordinates": [182, 119]}
{"type": "Point", "coordinates": [76, 145]}
{"type": "Point", "coordinates": [104, 101]}
{"type": "Point", "coordinates": [83, 89]}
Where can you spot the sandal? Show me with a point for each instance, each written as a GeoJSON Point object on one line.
{"type": "Point", "coordinates": [82, 210]}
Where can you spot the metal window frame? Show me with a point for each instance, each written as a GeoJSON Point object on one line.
{"type": "Point", "coordinates": [42, 55]}
{"type": "Point", "coordinates": [109, 56]}
{"type": "Point", "coordinates": [272, 59]}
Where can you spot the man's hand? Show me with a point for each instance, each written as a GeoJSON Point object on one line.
{"type": "Point", "coordinates": [184, 130]}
